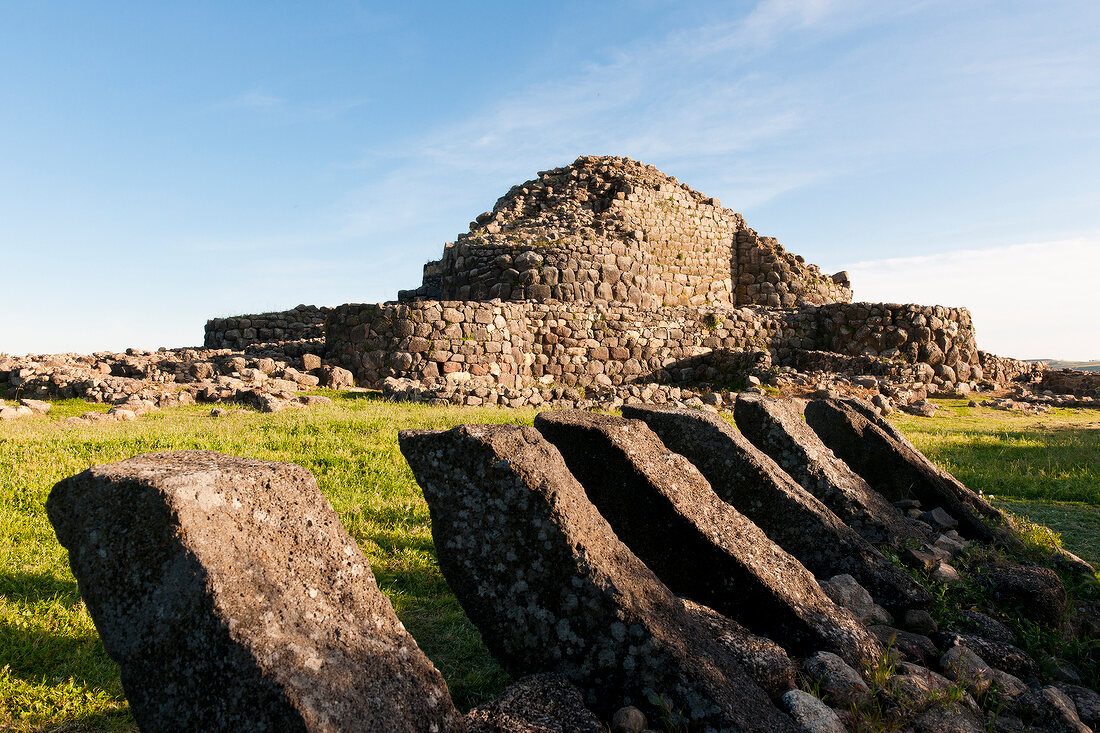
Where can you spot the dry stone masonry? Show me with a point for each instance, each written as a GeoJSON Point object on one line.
{"type": "Point", "coordinates": [607, 282]}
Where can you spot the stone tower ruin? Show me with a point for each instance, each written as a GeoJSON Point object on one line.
{"type": "Point", "coordinates": [613, 229]}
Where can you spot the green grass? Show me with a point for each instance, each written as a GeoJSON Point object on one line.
{"type": "Point", "coordinates": [53, 669]}
{"type": "Point", "coordinates": [55, 675]}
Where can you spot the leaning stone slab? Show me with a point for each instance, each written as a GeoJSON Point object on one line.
{"type": "Point", "coordinates": [748, 479]}
{"type": "Point", "coordinates": [700, 546]}
{"type": "Point", "coordinates": [233, 600]}
{"type": "Point", "coordinates": [898, 470]}
{"type": "Point", "coordinates": [776, 427]}
{"type": "Point", "coordinates": [552, 589]}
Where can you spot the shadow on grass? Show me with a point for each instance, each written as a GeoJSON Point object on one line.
{"type": "Point", "coordinates": [1057, 464]}
{"type": "Point", "coordinates": [37, 587]}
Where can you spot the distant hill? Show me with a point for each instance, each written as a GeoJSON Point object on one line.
{"type": "Point", "coordinates": [1081, 366]}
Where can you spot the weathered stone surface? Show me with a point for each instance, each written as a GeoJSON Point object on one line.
{"type": "Point", "coordinates": [1037, 592]}
{"type": "Point", "coordinates": [900, 471]}
{"type": "Point", "coordinates": [334, 377]}
{"type": "Point", "coordinates": [841, 684]}
{"type": "Point", "coordinates": [968, 669]}
{"type": "Point", "coordinates": [999, 654]}
{"type": "Point", "coordinates": [656, 500]}
{"type": "Point", "coordinates": [812, 714]}
{"type": "Point", "coordinates": [552, 589]}
{"type": "Point", "coordinates": [1085, 700]}
{"type": "Point", "coordinates": [629, 720]}
{"type": "Point", "coordinates": [916, 647]}
{"type": "Point", "coordinates": [776, 427]}
{"type": "Point", "coordinates": [985, 626]}
{"type": "Point", "coordinates": [955, 718]}
{"type": "Point", "coordinates": [1052, 710]}
{"type": "Point", "coordinates": [748, 479]}
{"type": "Point", "coordinates": [539, 703]}
{"type": "Point", "coordinates": [765, 661]}
{"type": "Point", "coordinates": [233, 599]}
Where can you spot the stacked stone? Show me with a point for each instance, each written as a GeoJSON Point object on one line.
{"type": "Point", "coordinates": [612, 228]}
{"type": "Point", "coordinates": [608, 344]}
{"type": "Point", "coordinates": [139, 381]}
{"type": "Point", "coordinates": [942, 338]}
{"type": "Point", "coordinates": [766, 274]}
{"type": "Point", "coordinates": [302, 322]}
{"type": "Point", "coordinates": [1001, 369]}
{"type": "Point", "coordinates": [1072, 381]}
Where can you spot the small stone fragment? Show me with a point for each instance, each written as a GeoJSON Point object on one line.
{"type": "Point", "coordinates": [812, 714]}
{"type": "Point", "coordinates": [539, 703]}
{"type": "Point", "coordinates": [968, 669]}
{"type": "Point", "coordinates": [841, 684]}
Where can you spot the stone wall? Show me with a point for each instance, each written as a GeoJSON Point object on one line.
{"type": "Point", "coordinates": [1071, 381]}
{"type": "Point", "coordinates": [1002, 369]}
{"type": "Point", "coordinates": [300, 323]}
{"type": "Point", "coordinates": [615, 229]}
{"type": "Point", "coordinates": [518, 344]}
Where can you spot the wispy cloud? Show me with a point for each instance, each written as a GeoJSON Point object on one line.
{"type": "Point", "coordinates": [256, 99]}
{"type": "Point", "coordinates": [1033, 300]}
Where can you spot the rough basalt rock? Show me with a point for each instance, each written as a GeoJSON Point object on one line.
{"type": "Point", "coordinates": [748, 479]}
{"type": "Point", "coordinates": [898, 470]}
{"type": "Point", "coordinates": [552, 589]}
{"type": "Point", "coordinates": [539, 703]}
{"type": "Point", "coordinates": [657, 500]}
{"type": "Point", "coordinates": [765, 661]}
{"type": "Point", "coordinates": [776, 428]}
{"type": "Point", "coordinates": [890, 463]}
{"type": "Point", "coordinates": [233, 599]}
{"type": "Point", "coordinates": [1037, 592]}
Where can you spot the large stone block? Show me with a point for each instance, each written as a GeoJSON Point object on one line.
{"type": "Point", "coordinates": [700, 546]}
{"type": "Point", "coordinates": [776, 427]}
{"type": "Point", "coordinates": [898, 470]}
{"type": "Point", "coordinates": [745, 477]}
{"type": "Point", "coordinates": [233, 600]}
{"type": "Point", "coordinates": [552, 589]}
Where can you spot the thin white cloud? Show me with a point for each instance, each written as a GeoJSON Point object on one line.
{"type": "Point", "coordinates": [257, 99]}
{"type": "Point", "coordinates": [1029, 301]}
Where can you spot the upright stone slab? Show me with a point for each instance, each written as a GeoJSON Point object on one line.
{"type": "Point", "coordinates": [776, 427]}
{"type": "Point", "coordinates": [745, 477]}
{"type": "Point", "coordinates": [897, 469]}
{"type": "Point", "coordinates": [552, 589]}
{"type": "Point", "coordinates": [233, 600]}
{"type": "Point", "coordinates": [700, 546]}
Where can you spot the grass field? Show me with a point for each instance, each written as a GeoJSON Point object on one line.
{"type": "Point", "coordinates": [55, 675]}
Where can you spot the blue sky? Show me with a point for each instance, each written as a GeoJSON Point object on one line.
{"type": "Point", "coordinates": [163, 163]}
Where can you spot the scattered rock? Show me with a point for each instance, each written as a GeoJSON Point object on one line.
{"type": "Point", "coordinates": [919, 622]}
{"type": "Point", "coordinates": [841, 685]}
{"type": "Point", "coordinates": [1051, 709]}
{"type": "Point", "coordinates": [968, 669]}
{"type": "Point", "coordinates": [539, 703]}
{"type": "Point", "coordinates": [1085, 700]}
{"type": "Point", "coordinates": [917, 647]}
{"type": "Point", "coordinates": [985, 626]}
{"type": "Point", "coordinates": [628, 720]}
{"type": "Point", "coordinates": [233, 599]}
{"type": "Point", "coordinates": [999, 654]}
{"type": "Point", "coordinates": [1037, 592]}
{"type": "Point", "coordinates": [812, 714]}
